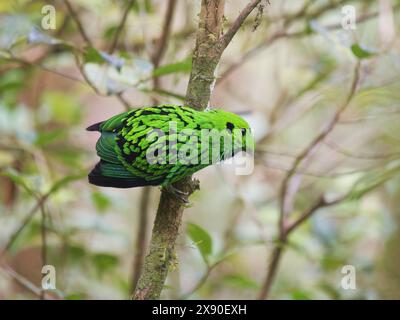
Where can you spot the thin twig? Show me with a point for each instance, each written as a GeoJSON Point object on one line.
{"type": "Point", "coordinates": [381, 156]}
{"type": "Point", "coordinates": [162, 41]}
{"type": "Point", "coordinates": [78, 22]}
{"type": "Point", "coordinates": [254, 51]}
{"type": "Point", "coordinates": [283, 34]}
{"type": "Point", "coordinates": [320, 203]}
{"type": "Point", "coordinates": [124, 102]}
{"type": "Point", "coordinates": [121, 26]}
{"type": "Point", "coordinates": [227, 37]}
{"type": "Point", "coordinates": [23, 281]}
{"type": "Point", "coordinates": [24, 62]}
{"type": "Point", "coordinates": [282, 241]}
{"type": "Point", "coordinates": [284, 227]}
{"type": "Point", "coordinates": [238, 207]}
{"type": "Point", "coordinates": [315, 143]}
{"type": "Point", "coordinates": [140, 248]}
{"type": "Point", "coordinates": [41, 199]}
{"type": "Point", "coordinates": [202, 280]}
{"type": "Point", "coordinates": [23, 224]}
{"type": "Point", "coordinates": [44, 242]}
{"type": "Point", "coordinates": [80, 65]}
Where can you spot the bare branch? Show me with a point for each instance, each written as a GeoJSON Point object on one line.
{"type": "Point", "coordinates": [41, 199]}
{"type": "Point", "coordinates": [44, 242]}
{"type": "Point", "coordinates": [24, 282]}
{"type": "Point", "coordinates": [284, 227]}
{"type": "Point", "coordinates": [319, 204]}
{"type": "Point", "coordinates": [162, 41]}
{"type": "Point", "coordinates": [227, 37]}
{"type": "Point", "coordinates": [238, 206]}
{"type": "Point", "coordinates": [141, 236]}
{"type": "Point", "coordinates": [124, 102]}
{"type": "Point", "coordinates": [283, 34]}
{"type": "Point", "coordinates": [23, 224]}
{"type": "Point", "coordinates": [121, 26]}
{"type": "Point", "coordinates": [78, 22]}
{"type": "Point", "coordinates": [24, 62]}
{"type": "Point", "coordinates": [314, 144]}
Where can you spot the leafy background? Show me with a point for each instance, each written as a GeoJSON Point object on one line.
{"type": "Point", "coordinates": [290, 65]}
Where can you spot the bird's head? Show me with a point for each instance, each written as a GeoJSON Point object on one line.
{"type": "Point", "coordinates": [236, 126]}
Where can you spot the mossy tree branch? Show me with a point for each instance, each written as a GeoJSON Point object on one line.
{"type": "Point", "coordinates": [209, 47]}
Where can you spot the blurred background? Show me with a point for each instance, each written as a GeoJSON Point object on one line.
{"type": "Point", "coordinates": [291, 65]}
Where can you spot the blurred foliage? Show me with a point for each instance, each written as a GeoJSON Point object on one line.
{"type": "Point", "coordinates": [53, 85]}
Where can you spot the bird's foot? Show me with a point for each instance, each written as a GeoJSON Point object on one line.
{"type": "Point", "coordinates": [179, 194]}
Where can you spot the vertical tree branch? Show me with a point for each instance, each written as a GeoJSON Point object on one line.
{"type": "Point", "coordinates": [207, 54]}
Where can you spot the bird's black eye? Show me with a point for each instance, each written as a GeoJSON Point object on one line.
{"type": "Point", "coordinates": [230, 126]}
{"type": "Point", "coordinates": [243, 132]}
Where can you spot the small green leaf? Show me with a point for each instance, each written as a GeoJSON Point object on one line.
{"type": "Point", "coordinates": [104, 262]}
{"type": "Point", "coordinates": [91, 55]}
{"type": "Point", "coordinates": [110, 32]}
{"type": "Point", "coordinates": [361, 53]}
{"type": "Point", "coordinates": [75, 296]}
{"type": "Point", "coordinates": [308, 28]}
{"type": "Point", "coordinates": [64, 108]}
{"type": "Point", "coordinates": [241, 282]}
{"type": "Point", "coordinates": [372, 180]}
{"type": "Point", "coordinates": [201, 239]}
{"type": "Point", "coordinates": [101, 201]}
{"type": "Point", "coordinates": [6, 158]}
{"type": "Point", "coordinates": [182, 66]}
{"type": "Point", "coordinates": [18, 179]}
{"type": "Point", "coordinates": [13, 80]}
{"type": "Point", "coordinates": [66, 180]}
{"type": "Point", "coordinates": [76, 253]}
{"type": "Point", "coordinates": [46, 138]}
{"type": "Point", "coordinates": [146, 5]}
{"type": "Point", "coordinates": [301, 295]}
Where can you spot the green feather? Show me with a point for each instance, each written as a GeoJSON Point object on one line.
{"type": "Point", "coordinates": [105, 147]}
{"type": "Point", "coordinates": [124, 143]}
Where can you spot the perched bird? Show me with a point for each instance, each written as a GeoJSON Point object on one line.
{"type": "Point", "coordinates": [161, 145]}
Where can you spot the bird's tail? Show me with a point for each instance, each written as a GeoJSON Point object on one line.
{"type": "Point", "coordinates": [106, 174]}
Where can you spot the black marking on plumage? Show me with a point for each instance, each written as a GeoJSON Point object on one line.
{"type": "Point", "coordinates": [230, 126]}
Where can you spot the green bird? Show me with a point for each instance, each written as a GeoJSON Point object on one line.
{"type": "Point", "coordinates": [161, 145]}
